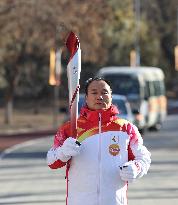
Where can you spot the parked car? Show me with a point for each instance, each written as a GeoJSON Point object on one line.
{"type": "Point", "coordinates": [123, 106]}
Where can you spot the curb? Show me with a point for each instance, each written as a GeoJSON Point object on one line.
{"type": "Point", "coordinates": [30, 134]}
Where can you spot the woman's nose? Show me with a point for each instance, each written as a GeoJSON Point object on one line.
{"type": "Point", "coordinates": [100, 97]}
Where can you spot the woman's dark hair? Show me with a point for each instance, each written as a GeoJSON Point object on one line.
{"type": "Point", "coordinates": [90, 80]}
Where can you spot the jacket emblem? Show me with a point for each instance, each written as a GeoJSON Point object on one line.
{"type": "Point", "coordinates": [114, 149]}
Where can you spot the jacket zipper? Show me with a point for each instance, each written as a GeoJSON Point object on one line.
{"type": "Point", "coordinates": [99, 162]}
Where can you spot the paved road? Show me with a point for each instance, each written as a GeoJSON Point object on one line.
{"type": "Point", "coordinates": [25, 178]}
{"type": "Point", "coordinates": [160, 186]}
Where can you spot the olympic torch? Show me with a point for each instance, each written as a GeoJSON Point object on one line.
{"type": "Point", "coordinates": [73, 75]}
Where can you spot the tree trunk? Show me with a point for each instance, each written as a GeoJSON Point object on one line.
{"type": "Point", "coordinates": [9, 111]}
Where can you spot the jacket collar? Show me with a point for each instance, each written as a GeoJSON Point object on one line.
{"type": "Point", "coordinates": [93, 115]}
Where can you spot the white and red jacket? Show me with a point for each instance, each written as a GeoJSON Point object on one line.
{"type": "Point", "coordinates": [107, 143]}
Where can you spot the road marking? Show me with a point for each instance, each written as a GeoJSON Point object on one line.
{"type": "Point", "coordinates": [19, 146]}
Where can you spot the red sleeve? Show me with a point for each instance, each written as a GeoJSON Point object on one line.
{"type": "Point", "coordinates": [62, 134]}
{"type": "Point", "coordinates": [129, 128]}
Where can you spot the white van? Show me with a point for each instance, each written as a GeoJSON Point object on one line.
{"type": "Point", "coordinates": [145, 90]}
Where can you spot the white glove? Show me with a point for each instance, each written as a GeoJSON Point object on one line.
{"type": "Point", "coordinates": [68, 149]}
{"type": "Point", "coordinates": [129, 171]}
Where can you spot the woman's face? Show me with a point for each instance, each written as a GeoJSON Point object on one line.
{"type": "Point", "coordinates": [99, 95]}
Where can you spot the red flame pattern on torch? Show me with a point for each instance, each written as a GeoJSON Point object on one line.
{"type": "Point", "coordinates": [73, 73]}
{"type": "Point", "coordinates": [72, 44]}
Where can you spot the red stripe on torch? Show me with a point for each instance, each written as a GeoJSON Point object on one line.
{"type": "Point", "coordinates": [74, 96]}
